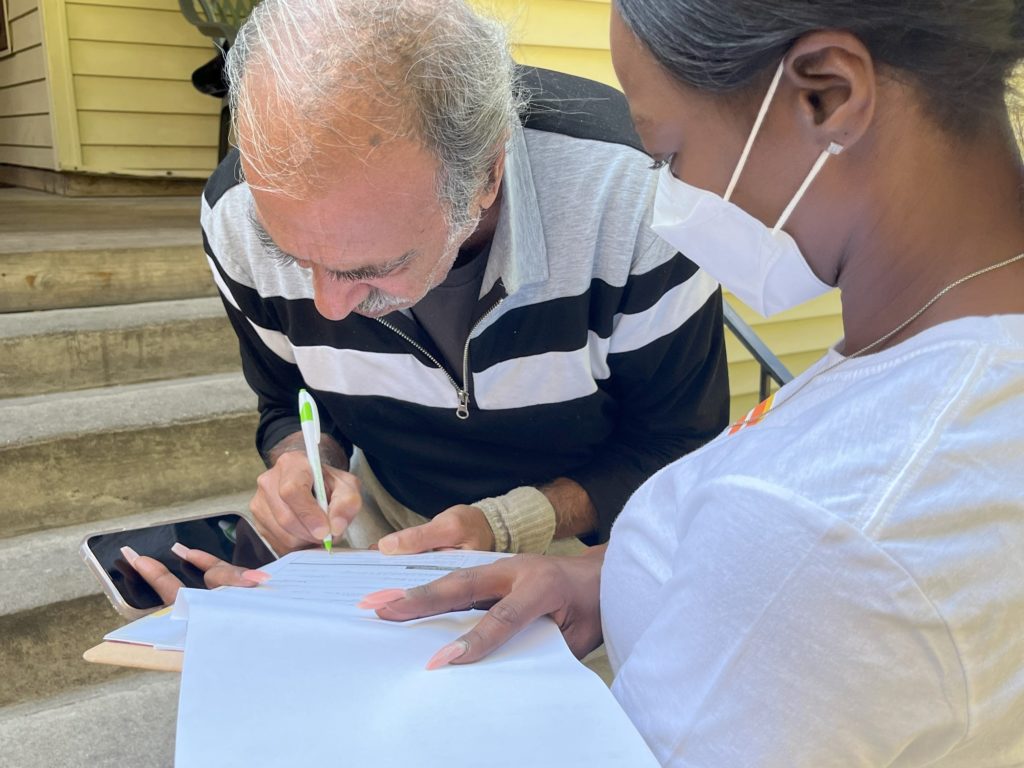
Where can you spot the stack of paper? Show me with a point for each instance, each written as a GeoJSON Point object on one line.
{"type": "Point", "coordinates": [292, 674]}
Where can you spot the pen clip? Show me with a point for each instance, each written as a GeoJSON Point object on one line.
{"type": "Point", "coordinates": [308, 414]}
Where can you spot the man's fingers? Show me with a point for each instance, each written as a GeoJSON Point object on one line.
{"type": "Point", "coordinates": [286, 501]}
{"type": "Point", "coordinates": [279, 539]}
{"type": "Point", "coordinates": [296, 490]}
{"type": "Point", "coordinates": [286, 492]}
{"type": "Point", "coordinates": [344, 499]}
{"type": "Point", "coordinates": [436, 534]}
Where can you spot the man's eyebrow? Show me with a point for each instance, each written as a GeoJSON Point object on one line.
{"type": "Point", "coordinates": [374, 272]}
{"type": "Point", "coordinates": [264, 237]}
{"type": "Point", "coordinates": [359, 273]}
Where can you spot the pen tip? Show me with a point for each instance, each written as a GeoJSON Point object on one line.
{"type": "Point", "coordinates": [329, 544]}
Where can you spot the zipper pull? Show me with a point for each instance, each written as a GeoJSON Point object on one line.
{"type": "Point", "coordinates": [463, 410]}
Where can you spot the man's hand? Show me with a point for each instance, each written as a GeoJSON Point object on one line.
{"type": "Point", "coordinates": [516, 591]}
{"type": "Point", "coordinates": [458, 527]}
{"type": "Point", "coordinates": [285, 509]}
{"type": "Point", "coordinates": [216, 572]}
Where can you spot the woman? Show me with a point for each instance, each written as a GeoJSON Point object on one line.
{"type": "Point", "coordinates": [839, 578]}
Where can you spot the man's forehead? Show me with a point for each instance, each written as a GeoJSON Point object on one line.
{"type": "Point", "coordinates": [356, 115]}
{"type": "Point", "coordinates": [351, 271]}
{"type": "Point", "coordinates": [347, 216]}
{"type": "Point", "coordinates": [353, 141]}
{"type": "Point", "coordinates": [367, 221]}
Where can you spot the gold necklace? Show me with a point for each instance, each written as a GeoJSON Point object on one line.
{"type": "Point", "coordinates": [977, 273]}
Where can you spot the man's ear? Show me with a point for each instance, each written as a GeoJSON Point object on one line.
{"type": "Point", "coordinates": [834, 75]}
{"type": "Point", "coordinates": [490, 193]}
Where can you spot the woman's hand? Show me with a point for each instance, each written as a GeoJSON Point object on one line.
{"type": "Point", "coordinates": [515, 591]}
{"type": "Point", "coordinates": [216, 572]}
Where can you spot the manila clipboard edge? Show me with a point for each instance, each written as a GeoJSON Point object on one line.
{"type": "Point", "coordinates": [138, 656]}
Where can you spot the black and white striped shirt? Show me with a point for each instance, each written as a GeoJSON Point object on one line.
{"type": "Point", "coordinates": [602, 361]}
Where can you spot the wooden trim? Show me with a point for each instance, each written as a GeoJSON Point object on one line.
{"type": "Point", "coordinates": [5, 29]}
{"type": "Point", "coordinates": [94, 185]}
{"type": "Point", "coordinates": [63, 109]}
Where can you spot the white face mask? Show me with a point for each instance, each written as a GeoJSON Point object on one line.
{"type": "Point", "coordinates": [762, 266]}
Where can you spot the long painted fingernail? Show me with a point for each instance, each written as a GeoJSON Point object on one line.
{"type": "Point", "coordinates": [258, 576]}
{"type": "Point", "coordinates": [376, 600]}
{"type": "Point", "coordinates": [130, 555]}
{"type": "Point", "coordinates": [180, 550]}
{"type": "Point", "coordinates": [448, 654]}
{"type": "Point", "coordinates": [388, 544]}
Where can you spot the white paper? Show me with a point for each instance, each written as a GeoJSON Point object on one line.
{"type": "Point", "coordinates": [296, 676]}
{"type": "Point", "coordinates": [313, 575]}
{"type": "Point", "coordinates": [158, 630]}
{"type": "Point", "coordinates": [346, 578]}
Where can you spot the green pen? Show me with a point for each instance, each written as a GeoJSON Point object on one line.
{"type": "Point", "coordinates": [309, 418]}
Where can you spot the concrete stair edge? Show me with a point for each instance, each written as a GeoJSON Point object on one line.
{"type": "Point", "coordinates": [49, 321]}
{"type": "Point", "coordinates": [71, 243]}
{"type": "Point", "coordinates": [126, 274]}
{"type": "Point", "coordinates": [67, 350]}
{"type": "Point", "coordinates": [36, 419]}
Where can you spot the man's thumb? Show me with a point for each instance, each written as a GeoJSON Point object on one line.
{"type": "Point", "coordinates": [421, 538]}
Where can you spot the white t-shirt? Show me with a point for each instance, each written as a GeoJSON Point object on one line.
{"type": "Point", "coordinates": [842, 583]}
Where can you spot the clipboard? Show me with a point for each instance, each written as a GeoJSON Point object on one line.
{"type": "Point", "coordinates": [137, 656]}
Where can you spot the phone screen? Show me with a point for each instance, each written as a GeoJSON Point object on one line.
{"type": "Point", "coordinates": [229, 537]}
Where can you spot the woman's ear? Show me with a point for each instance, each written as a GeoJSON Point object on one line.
{"type": "Point", "coordinates": [834, 76]}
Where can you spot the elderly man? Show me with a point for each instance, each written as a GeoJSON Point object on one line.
{"type": "Point", "coordinates": [451, 253]}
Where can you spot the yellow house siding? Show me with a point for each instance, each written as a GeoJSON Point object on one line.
{"type": "Point", "coordinates": [595, 65]}
{"type": "Point", "coordinates": [131, 62]}
{"type": "Point", "coordinates": [565, 35]}
{"type": "Point", "coordinates": [572, 36]}
{"type": "Point", "coordinates": [26, 134]}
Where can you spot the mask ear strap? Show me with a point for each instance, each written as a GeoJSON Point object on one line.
{"type": "Point", "coordinates": [754, 131]}
{"type": "Point", "coordinates": [833, 149]}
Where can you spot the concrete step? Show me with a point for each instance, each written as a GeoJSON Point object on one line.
{"type": "Point", "coordinates": [41, 650]}
{"type": "Point", "coordinates": [71, 349]}
{"type": "Point", "coordinates": [60, 252]}
{"type": "Point", "coordinates": [128, 721]}
{"type": "Point", "coordinates": [52, 608]}
{"type": "Point", "coordinates": [88, 277]}
{"type": "Point", "coordinates": [99, 454]}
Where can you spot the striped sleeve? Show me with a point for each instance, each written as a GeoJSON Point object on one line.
{"type": "Point", "coordinates": [667, 374]}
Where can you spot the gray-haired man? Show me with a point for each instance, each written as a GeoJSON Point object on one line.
{"type": "Point", "coordinates": [466, 284]}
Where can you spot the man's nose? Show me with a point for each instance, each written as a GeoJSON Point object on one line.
{"type": "Point", "coordinates": [334, 299]}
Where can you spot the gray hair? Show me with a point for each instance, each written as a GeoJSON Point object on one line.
{"type": "Point", "coordinates": [958, 53]}
{"type": "Point", "coordinates": [429, 70]}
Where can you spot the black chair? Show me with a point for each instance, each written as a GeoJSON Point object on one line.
{"type": "Point", "coordinates": [219, 20]}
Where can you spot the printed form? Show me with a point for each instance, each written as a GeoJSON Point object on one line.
{"type": "Point", "coordinates": [292, 674]}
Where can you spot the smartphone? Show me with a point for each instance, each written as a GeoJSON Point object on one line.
{"type": "Point", "coordinates": [228, 536]}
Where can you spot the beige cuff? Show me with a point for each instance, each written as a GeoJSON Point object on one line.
{"type": "Point", "coordinates": [522, 520]}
